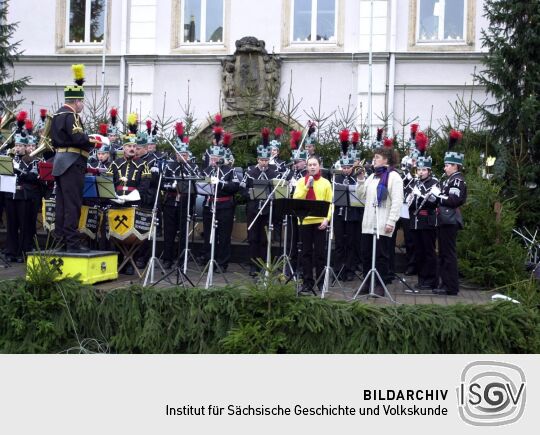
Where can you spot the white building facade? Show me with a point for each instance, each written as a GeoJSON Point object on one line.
{"type": "Point", "coordinates": [424, 52]}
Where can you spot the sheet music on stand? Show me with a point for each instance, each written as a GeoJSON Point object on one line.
{"type": "Point", "coordinates": [260, 190]}
{"type": "Point", "coordinates": [204, 187]}
{"type": "Point", "coordinates": [8, 183]}
{"type": "Point", "coordinates": [6, 165]}
{"type": "Point", "coordinates": [341, 195]}
{"type": "Point", "coordinates": [282, 191]}
{"type": "Point", "coordinates": [105, 187]}
{"type": "Point", "coordinates": [354, 200]}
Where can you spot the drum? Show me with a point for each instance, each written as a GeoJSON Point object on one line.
{"type": "Point", "coordinates": [130, 225]}
{"type": "Point", "coordinates": [88, 222]}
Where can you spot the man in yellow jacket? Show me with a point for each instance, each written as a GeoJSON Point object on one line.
{"type": "Point", "coordinates": [313, 228]}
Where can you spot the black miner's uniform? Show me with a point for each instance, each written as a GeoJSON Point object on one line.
{"type": "Point", "coordinates": [175, 203]}
{"type": "Point", "coordinates": [348, 234]}
{"type": "Point", "coordinates": [138, 178]}
{"type": "Point", "coordinates": [72, 148]}
{"type": "Point", "coordinates": [453, 195]}
{"type": "Point", "coordinates": [405, 225]}
{"type": "Point", "coordinates": [21, 208]}
{"type": "Point", "coordinates": [227, 187]}
{"type": "Point", "coordinates": [257, 234]}
{"type": "Point", "coordinates": [423, 229]}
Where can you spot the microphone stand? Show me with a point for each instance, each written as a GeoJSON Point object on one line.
{"type": "Point", "coordinates": [284, 257]}
{"type": "Point", "coordinates": [210, 265]}
{"type": "Point", "coordinates": [149, 272]}
{"type": "Point", "coordinates": [328, 269]}
{"type": "Point", "coordinates": [373, 271]}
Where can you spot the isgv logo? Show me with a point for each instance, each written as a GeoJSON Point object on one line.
{"type": "Point", "coordinates": [491, 393]}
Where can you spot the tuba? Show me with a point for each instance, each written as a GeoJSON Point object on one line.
{"type": "Point", "coordinates": [44, 143]}
{"type": "Point", "coordinates": [7, 118]}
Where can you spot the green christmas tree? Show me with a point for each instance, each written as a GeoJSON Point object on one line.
{"type": "Point", "coordinates": [512, 77]}
{"type": "Point", "coordinates": [9, 53]}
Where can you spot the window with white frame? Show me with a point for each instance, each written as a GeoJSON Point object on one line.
{"type": "Point", "coordinates": [85, 22]}
{"type": "Point", "coordinates": [202, 22]}
{"type": "Point", "coordinates": [313, 21]}
{"type": "Point", "coordinates": [441, 21]}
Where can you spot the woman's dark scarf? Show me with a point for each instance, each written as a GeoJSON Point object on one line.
{"type": "Point", "coordinates": [382, 172]}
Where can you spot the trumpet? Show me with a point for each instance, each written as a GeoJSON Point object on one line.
{"type": "Point", "coordinates": [358, 167]}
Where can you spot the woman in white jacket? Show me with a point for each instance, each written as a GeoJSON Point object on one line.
{"type": "Point", "coordinates": [382, 193]}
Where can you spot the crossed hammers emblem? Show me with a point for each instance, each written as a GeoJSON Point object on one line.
{"type": "Point", "coordinates": [120, 221]}
{"type": "Point", "coordinates": [57, 263]}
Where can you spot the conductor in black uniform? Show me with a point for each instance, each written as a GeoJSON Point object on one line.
{"type": "Point", "coordinates": [72, 146]}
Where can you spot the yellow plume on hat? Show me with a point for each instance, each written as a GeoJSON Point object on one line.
{"type": "Point", "coordinates": [78, 73]}
{"type": "Point", "coordinates": [132, 123]}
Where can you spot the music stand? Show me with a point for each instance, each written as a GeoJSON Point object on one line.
{"type": "Point", "coordinates": [183, 186]}
{"type": "Point", "coordinates": [105, 187]}
{"type": "Point", "coordinates": [208, 189]}
{"type": "Point", "coordinates": [263, 190]}
{"type": "Point", "coordinates": [345, 196]}
{"type": "Point", "coordinates": [302, 208]}
{"type": "Point", "coordinates": [6, 165]}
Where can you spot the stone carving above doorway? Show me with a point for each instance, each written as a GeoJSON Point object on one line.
{"type": "Point", "coordinates": [251, 77]}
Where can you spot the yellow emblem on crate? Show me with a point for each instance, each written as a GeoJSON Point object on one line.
{"type": "Point", "coordinates": [130, 224]}
{"type": "Point", "coordinates": [91, 267]}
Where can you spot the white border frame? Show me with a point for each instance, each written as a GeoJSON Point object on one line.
{"type": "Point", "coordinates": [182, 43]}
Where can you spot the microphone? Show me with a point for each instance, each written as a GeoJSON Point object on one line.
{"type": "Point", "coordinates": [310, 181]}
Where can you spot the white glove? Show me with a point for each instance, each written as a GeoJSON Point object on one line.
{"type": "Point", "coordinates": [214, 180]}
{"type": "Point", "coordinates": [15, 165]}
{"type": "Point", "coordinates": [154, 169]}
{"type": "Point", "coordinates": [123, 179]}
{"type": "Point", "coordinates": [408, 176]}
{"type": "Point", "coordinates": [243, 184]}
{"type": "Point", "coordinates": [435, 191]}
{"type": "Point", "coordinates": [416, 191]}
{"type": "Point", "coordinates": [293, 182]}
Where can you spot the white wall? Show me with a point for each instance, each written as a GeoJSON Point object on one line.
{"type": "Point", "coordinates": [430, 78]}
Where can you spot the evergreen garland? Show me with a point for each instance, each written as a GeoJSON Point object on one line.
{"type": "Point", "coordinates": [249, 320]}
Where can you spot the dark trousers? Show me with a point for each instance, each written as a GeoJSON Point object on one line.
{"type": "Point", "coordinates": [225, 220]}
{"type": "Point", "coordinates": [257, 237]}
{"type": "Point", "coordinates": [404, 224]}
{"type": "Point", "coordinates": [382, 255]}
{"type": "Point", "coordinates": [174, 221]}
{"type": "Point", "coordinates": [20, 221]}
{"type": "Point", "coordinates": [69, 195]}
{"type": "Point", "coordinates": [348, 238]}
{"type": "Point", "coordinates": [448, 269]}
{"type": "Point", "coordinates": [426, 257]}
{"type": "Point", "coordinates": [313, 251]}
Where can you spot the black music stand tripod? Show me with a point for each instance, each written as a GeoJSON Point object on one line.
{"type": "Point", "coordinates": [300, 209]}
{"type": "Point", "coordinates": [181, 276]}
